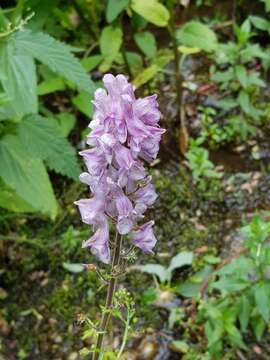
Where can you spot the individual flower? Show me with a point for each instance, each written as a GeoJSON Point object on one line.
{"type": "Point", "coordinates": [99, 243]}
{"type": "Point", "coordinates": [144, 237]}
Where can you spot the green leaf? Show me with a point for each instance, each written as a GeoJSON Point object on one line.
{"type": "Point", "coordinates": [114, 8]}
{"type": "Point", "coordinates": [146, 75]}
{"type": "Point", "coordinates": [147, 43]}
{"type": "Point", "coordinates": [242, 75]}
{"type": "Point", "coordinates": [74, 268]}
{"type": "Point", "coordinates": [11, 201]}
{"type": "Point", "coordinates": [180, 346]}
{"type": "Point", "coordinates": [18, 73]}
{"type": "Point", "coordinates": [91, 62]}
{"type": "Point", "coordinates": [259, 22]}
{"type": "Point", "coordinates": [66, 122]}
{"type": "Point", "coordinates": [198, 35]}
{"type": "Point", "coordinates": [154, 269]}
{"type": "Point", "coordinates": [244, 102]}
{"type": "Point", "coordinates": [262, 300]}
{"type": "Point", "coordinates": [110, 43]}
{"type": "Point", "coordinates": [51, 85]}
{"type": "Point", "coordinates": [267, 5]}
{"type": "Point", "coordinates": [228, 284]}
{"type": "Point", "coordinates": [258, 325]}
{"type": "Point", "coordinates": [83, 102]}
{"type": "Point", "coordinates": [160, 61]}
{"type": "Point", "coordinates": [182, 259]}
{"type": "Point", "coordinates": [26, 175]}
{"type": "Point", "coordinates": [135, 62]}
{"type": "Point", "coordinates": [244, 312]}
{"type": "Point", "coordinates": [56, 55]}
{"type": "Point", "coordinates": [210, 259]}
{"type": "Point", "coordinates": [186, 50]}
{"type": "Point", "coordinates": [151, 10]}
{"type": "Point", "coordinates": [43, 139]}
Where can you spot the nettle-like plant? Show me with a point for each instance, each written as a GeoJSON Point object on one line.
{"type": "Point", "coordinates": [124, 131]}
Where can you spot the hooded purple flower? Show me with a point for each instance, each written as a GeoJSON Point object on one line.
{"type": "Point", "coordinates": [124, 131]}
{"type": "Point", "coordinates": [144, 237]}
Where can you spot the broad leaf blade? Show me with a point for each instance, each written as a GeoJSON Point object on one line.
{"type": "Point", "coordinates": [114, 8]}
{"type": "Point", "coordinates": [182, 259]}
{"type": "Point", "coordinates": [55, 54]}
{"type": "Point", "coordinates": [110, 42]}
{"type": "Point", "coordinates": [154, 269]}
{"type": "Point", "coordinates": [147, 43]}
{"type": "Point", "coordinates": [26, 175]}
{"type": "Point", "coordinates": [18, 78]}
{"type": "Point", "coordinates": [198, 35]}
{"type": "Point", "coordinates": [151, 10]}
{"type": "Point", "coordinates": [43, 139]}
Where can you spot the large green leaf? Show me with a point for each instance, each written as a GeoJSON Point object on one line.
{"type": "Point", "coordinates": [147, 43]}
{"type": "Point", "coordinates": [55, 54]}
{"type": "Point", "coordinates": [198, 35]}
{"type": "Point", "coordinates": [110, 42]}
{"type": "Point", "coordinates": [18, 79]}
{"type": "Point", "coordinates": [114, 8]}
{"type": "Point", "coordinates": [26, 175]}
{"type": "Point", "coordinates": [152, 11]}
{"type": "Point", "coordinates": [43, 138]}
{"type": "Point", "coordinates": [11, 201]}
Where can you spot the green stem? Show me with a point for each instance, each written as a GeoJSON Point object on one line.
{"type": "Point", "coordinates": [17, 12]}
{"type": "Point", "coordinates": [124, 341]}
{"type": "Point", "coordinates": [109, 300]}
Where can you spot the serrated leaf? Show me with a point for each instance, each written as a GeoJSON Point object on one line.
{"type": "Point", "coordinates": [147, 43]}
{"type": "Point", "coordinates": [197, 35]}
{"type": "Point", "coordinates": [43, 139]}
{"type": "Point", "coordinates": [114, 8]}
{"type": "Point", "coordinates": [26, 175]}
{"type": "Point", "coordinates": [110, 43]}
{"type": "Point", "coordinates": [151, 10]}
{"type": "Point", "coordinates": [55, 54]}
{"type": "Point", "coordinates": [18, 73]}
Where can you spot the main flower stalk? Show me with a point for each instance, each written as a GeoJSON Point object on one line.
{"type": "Point", "coordinates": [124, 133]}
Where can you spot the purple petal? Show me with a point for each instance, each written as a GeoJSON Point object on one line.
{"type": "Point", "coordinates": [144, 237]}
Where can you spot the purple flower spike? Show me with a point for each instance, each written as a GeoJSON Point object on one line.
{"type": "Point", "coordinates": [124, 131]}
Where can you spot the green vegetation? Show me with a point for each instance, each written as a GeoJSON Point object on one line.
{"type": "Point", "coordinates": [204, 294]}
